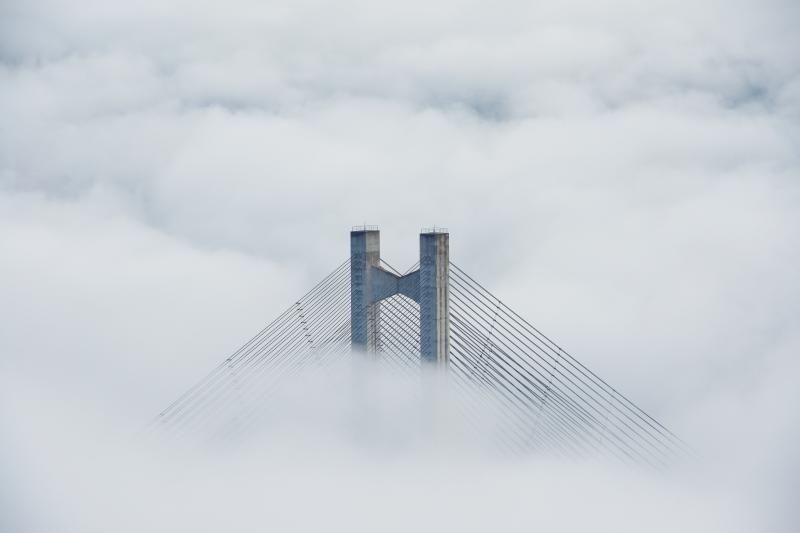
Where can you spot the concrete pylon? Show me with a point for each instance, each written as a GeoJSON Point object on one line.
{"type": "Point", "coordinates": [428, 286]}
{"type": "Point", "coordinates": [365, 256]}
{"type": "Point", "coordinates": [434, 291]}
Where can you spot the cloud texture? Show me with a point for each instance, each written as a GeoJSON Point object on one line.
{"type": "Point", "coordinates": [625, 174]}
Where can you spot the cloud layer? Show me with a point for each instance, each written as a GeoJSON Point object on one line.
{"type": "Point", "coordinates": [625, 174]}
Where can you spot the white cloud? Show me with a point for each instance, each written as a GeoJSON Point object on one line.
{"type": "Point", "coordinates": [172, 174]}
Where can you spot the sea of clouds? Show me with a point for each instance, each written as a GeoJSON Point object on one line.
{"type": "Point", "coordinates": [174, 174]}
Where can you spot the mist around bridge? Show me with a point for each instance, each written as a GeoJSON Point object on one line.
{"type": "Point", "coordinates": [176, 173]}
{"type": "Point", "coordinates": [357, 447]}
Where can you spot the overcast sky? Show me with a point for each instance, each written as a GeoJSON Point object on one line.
{"type": "Point", "coordinates": [625, 174]}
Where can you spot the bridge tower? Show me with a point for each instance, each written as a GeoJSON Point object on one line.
{"type": "Point", "coordinates": [428, 286]}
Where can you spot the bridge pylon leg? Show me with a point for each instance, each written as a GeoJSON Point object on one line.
{"type": "Point", "coordinates": [365, 252]}
{"type": "Point", "coordinates": [434, 292]}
